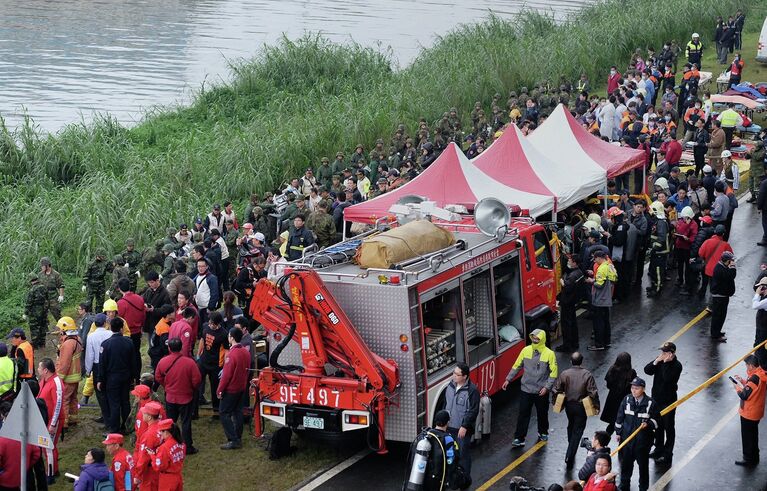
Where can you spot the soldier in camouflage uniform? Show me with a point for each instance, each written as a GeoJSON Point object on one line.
{"type": "Point", "coordinates": [36, 310]}
{"type": "Point", "coordinates": [119, 271]}
{"type": "Point", "coordinates": [382, 185]}
{"type": "Point", "coordinates": [169, 255]}
{"type": "Point", "coordinates": [338, 164]}
{"type": "Point", "coordinates": [132, 258]}
{"type": "Point", "coordinates": [172, 240]}
{"type": "Point", "coordinates": [230, 238]}
{"type": "Point", "coordinates": [51, 280]}
{"type": "Point", "coordinates": [321, 223]}
{"type": "Point", "coordinates": [94, 283]}
{"type": "Point", "coordinates": [324, 172]}
{"type": "Point", "coordinates": [151, 258]}
{"type": "Point", "coordinates": [378, 149]}
{"type": "Point", "coordinates": [398, 141]}
{"type": "Point", "coordinates": [475, 113]}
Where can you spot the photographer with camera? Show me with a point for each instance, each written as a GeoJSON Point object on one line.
{"type": "Point", "coordinates": [596, 448]}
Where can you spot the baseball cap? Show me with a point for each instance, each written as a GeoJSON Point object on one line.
{"type": "Point", "coordinates": [600, 254]}
{"type": "Point", "coordinates": [165, 424]}
{"type": "Point", "coordinates": [638, 382]}
{"type": "Point", "coordinates": [114, 438]}
{"type": "Point", "coordinates": [152, 408]}
{"type": "Point", "coordinates": [259, 236]}
{"type": "Point", "coordinates": [707, 168]}
{"type": "Point", "coordinates": [16, 333]}
{"type": "Point", "coordinates": [706, 219]}
{"type": "Point", "coordinates": [198, 221]}
{"type": "Point", "coordinates": [726, 153]}
{"type": "Point", "coordinates": [216, 206]}
{"type": "Point", "coordinates": [668, 347]}
{"type": "Point", "coordinates": [100, 319]}
{"type": "Point", "coordinates": [141, 391]}
{"type": "Point", "coordinates": [727, 256]}
{"type": "Point", "coordinates": [248, 225]}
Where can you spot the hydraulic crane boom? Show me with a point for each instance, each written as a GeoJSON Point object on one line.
{"type": "Point", "coordinates": [300, 308]}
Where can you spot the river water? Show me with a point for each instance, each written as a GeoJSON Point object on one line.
{"type": "Point", "coordinates": [62, 61]}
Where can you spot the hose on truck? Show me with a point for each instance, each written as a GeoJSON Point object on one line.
{"type": "Point", "coordinates": [274, 359]}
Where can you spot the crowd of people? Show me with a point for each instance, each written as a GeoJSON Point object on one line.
{"type": "Point", "coordinates": [192, 312]}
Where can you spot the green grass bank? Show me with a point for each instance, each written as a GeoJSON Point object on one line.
{"type": "Point", "coordinates": [94, 185]}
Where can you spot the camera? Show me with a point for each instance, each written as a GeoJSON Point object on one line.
{"type": "Point", "coordinates": [586, 443]}
{"type": "Point", "coordinates": [520, 484]}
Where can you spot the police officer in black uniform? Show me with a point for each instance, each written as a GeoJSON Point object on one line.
{"type": "Point", "coordinates": [637, 410]}
{"type": "Point", "coordinates": [116, 369]}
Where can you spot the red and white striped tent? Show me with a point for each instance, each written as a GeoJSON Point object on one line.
{"type": "Point", "coordinates": [562, 139]}
{"type": "Point", "coordinates": [451, 179]}
{"type": "Point", "coordinates": [513, 160]}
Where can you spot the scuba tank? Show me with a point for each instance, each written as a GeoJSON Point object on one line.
{"type": "Point", "coordinates": [418, 468]}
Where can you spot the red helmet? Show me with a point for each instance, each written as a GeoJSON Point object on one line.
{"type": "Point", "coordinates": [707, 220]}
{"type": "Point", "coordinates": [614, 211]}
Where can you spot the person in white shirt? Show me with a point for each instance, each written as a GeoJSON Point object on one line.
{"type": "Point", "coordinates": [92, 354]}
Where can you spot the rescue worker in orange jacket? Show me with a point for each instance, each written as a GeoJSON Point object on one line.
{"type": "Point", "coordinates": [169, 461]}
{"type": "Point", "coordinates": [68, 366]}
{"type": "Point", "coordinates": [23, 353]}
{"type": "Point", "coordinates": [146, 449]}
{"type": "Point", "coordinates": [752, 392]}
{"type": "Point", "coordinates": [121, 470]}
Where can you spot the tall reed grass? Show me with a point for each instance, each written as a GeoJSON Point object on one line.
{"type": "Point", "coordinates": [95, 185]}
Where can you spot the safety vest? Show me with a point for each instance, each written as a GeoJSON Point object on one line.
{"type": "Point", "coordinates": [694, 50]}
{"type": "Point", "coordinates": [7, 375]}
{"type": "Point", "coordinates": [28, 371]}
{"type": "Point", "coordinates": [729, 118]}
{"type": "Point", "coordinates": [736, 68]}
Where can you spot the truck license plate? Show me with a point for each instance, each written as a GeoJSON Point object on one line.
{"type": "Point", "coordinates": [314, 423]}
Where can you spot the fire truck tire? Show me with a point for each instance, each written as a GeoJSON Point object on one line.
{"type": "Point", "coordinates": [440, 404]}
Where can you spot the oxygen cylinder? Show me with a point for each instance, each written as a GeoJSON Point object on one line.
{"type": "Point", "coordinates": [486, 409]}
{"type": "Point", "coordinates": [418, 469]}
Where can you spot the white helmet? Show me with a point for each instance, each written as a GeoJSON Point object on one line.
{"type": "Point", "coordinates": [657, 209]}
{"type": "Point", "coordinates": [726, 154]}
{"type": "Point", "coordinates": [591, 225]}
{"type": "Point", "coordinates": [687, 212]}
{"type": "Point", "coordinates": [707, 169]}
{"type": "Point", "coordinates": [695, 35]}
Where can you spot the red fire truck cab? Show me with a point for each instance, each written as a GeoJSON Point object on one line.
{"type": "Point", "coordinates": [376, 348]}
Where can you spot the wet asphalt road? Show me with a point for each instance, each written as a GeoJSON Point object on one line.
{"type": "Point", "coordinates": [639, 326]}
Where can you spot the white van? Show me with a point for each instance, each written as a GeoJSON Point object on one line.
{"type": "Point", "coordinates": [761, 50]}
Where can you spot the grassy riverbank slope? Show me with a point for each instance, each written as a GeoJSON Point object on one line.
{"type": "Point", "coordinates": [94, 185]}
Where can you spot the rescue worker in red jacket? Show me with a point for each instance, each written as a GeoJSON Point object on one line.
{"type": "Point", "coordinates": [181, 378]}
{"type": "Point", "coordinates": [52, 392]}
{"type": "Point", "coordinates": [143, 396]}
{"type": "Point", "coordinates": [146, 449]}
{"type": "Point", "coordinates": [169, 461]}
{"type": "Point", "coordinates": [233, 390]}
{"type": "Point", "coordinates": [752, 392]}
{"type": "Point", "coordinates": [121, 470]}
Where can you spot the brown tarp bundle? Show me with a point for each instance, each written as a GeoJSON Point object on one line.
{"type": "Point", "coordinates": [402, 243]}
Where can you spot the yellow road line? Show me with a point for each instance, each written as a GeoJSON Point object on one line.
{"type": "Point", "coordinates": [666, 478]}
{"type": "Point", "coordinates": [705, 313]}
{"type": "Point", "coordinates": [511, 466]}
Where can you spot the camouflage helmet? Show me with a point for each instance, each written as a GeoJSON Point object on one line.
{"type": "Point", "coordinates": [453, 110]}
{"type": "Point", "coordinates": [339, 154]}
{"type": "Point", "coordinates": [45, 261]}
{"type": "Point", "coordinates": [129, 242]}
{"type": "Point", "coordinates": [379, 141]}
{"type": "Point", "coordinates": [118, 259]}
{"type": "Point", "coordinates": [32, 277]}
{"type": "Point", "coordinates": [477, 104]}
{"type": "Point", "coordinates": [100, 252]}
{"type": "Point", "coordinates": [258, 211]}
{"type": "Point", "coordinates": [158, 243]}
{"type": "Point", "coordinates": [171, 231]}
{"type": "Point", "coordinates": [497, 96]}
{"type": "Point", "coordinates": [324, 160]}
{"type": "Point", "coordinates": [168, 248]}
{"type": "Point", "coordinates": [197, 237]}
{"type": "Point", "coordinates": [445, 115]}
{"type": "Point", "coordinates": [401, 127]}
{"type": "Point", "coordinates": [523, 90]}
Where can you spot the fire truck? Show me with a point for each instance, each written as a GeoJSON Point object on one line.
{"type": "Point", "coordinates": [374, 349]}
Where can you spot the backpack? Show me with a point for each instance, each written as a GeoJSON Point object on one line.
{"type": "Point", "coordinates": [103, 485]}
{"type": "Point", "coordinates": [279, 444]}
